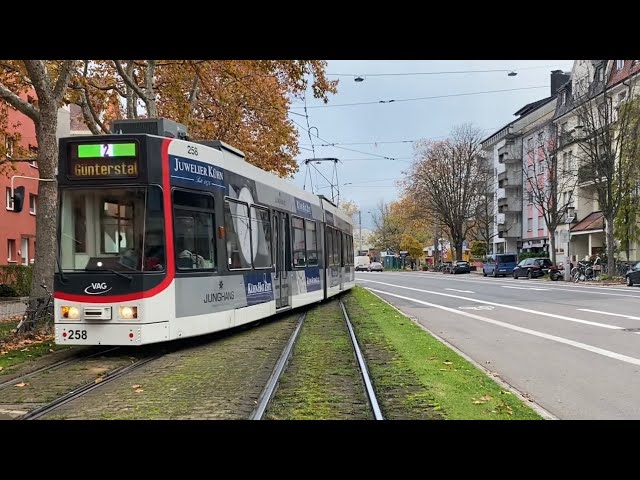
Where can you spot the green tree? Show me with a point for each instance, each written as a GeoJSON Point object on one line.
{"type": "Point", "coordinates": [478, 249]}
{"type": "Point", "coordinates": [626, 228]}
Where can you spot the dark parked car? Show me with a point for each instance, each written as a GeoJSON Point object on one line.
{"type": "Point", "coordinates": [532, 268]}
{"type": "Point", "coordinates": [633, 275]}
{"type": "Point", "coordinates": [461, 267]}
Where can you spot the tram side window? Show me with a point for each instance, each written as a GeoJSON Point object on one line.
{"type": "Point", "coordinates": [352, 258]}
{"type": "Point", "coordinates": [312, 243]}
{"type": "Point", "coordinates": [261, 237]}
{"type": "Point", "coordinates": [238, 234]}
{"type": "Point", "coordinates": [195, 238]}
{"type": "Point", "coordinates": [329, 246]}
{"type": "Point", "coordinates": [299, 247]}
{"type": "Point", "coordinates": [336, 248]}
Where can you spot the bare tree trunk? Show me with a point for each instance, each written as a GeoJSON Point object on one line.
{"type": "Point", "coordinates": [610, 242]}
{"type": "Point", "coordinates": [552, 244]}
{"type": "Point", "coordinates": [47, 200]}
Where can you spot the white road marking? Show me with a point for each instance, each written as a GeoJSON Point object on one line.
{"type": "Point", "coordinates": [456, 290]}
{"type": "Point", "coordinates": [477, 307]}
{"type": "Point", "coordinates": [524, 288]}
{"type": "Point", "coordinates": [630, 317]}
{"type": "Point", "coordinates": [521, 309]}
{"type": "Point", "coordinates": [567, 287]}
{"type": "Point", "coordinates": [566, 341]}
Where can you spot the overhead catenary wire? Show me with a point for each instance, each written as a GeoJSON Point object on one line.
{"type": "Point", "coordinates": [450, 72]}
{"type": "Point", "coordinates": [423, 98]}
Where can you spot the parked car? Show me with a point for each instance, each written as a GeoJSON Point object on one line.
{"type": "Point", "coordinates": [461, 267]}
{"type": "Point", "coordinates": [499, 264]}
{"type": "Point", "coordinates": [532, 268]}
{"type": "Point", "coordinates": [376, 267]}
{"type": "Point", "coordinates": [633, 275]}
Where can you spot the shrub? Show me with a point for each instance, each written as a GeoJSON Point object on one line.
{"type": "Point", "coordinates": [16, 277]}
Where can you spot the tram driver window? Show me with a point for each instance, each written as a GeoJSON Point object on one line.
{"type": "Point", "coordinates": [194, 231]}
{"type": "Point", "coordinates": [299, 249]}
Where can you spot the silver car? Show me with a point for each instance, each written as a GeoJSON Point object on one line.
{"type": "Point", "coordinates": [376, 267]}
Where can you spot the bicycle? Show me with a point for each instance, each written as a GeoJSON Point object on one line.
{"type": "Point", "coordinates": [43, 309]}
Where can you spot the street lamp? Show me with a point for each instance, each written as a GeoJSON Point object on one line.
{"type": "Point", "coordinates": [570, 217]}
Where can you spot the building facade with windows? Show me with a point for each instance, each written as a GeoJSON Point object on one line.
{"type": "Point", "coordinates": [18, 230]}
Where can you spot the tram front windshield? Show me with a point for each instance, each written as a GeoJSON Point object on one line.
{"type": "Point", "coordinates": [119, 229]}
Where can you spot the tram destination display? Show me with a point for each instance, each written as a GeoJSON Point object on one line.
{"type": "Point", "coordinates": [103, 160]}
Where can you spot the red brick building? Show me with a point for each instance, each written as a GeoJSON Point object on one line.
{"type": "Point", "coordinates": [18, 230]}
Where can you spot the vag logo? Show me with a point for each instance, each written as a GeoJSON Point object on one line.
{"type": "Point", "coordinates": [97, 288]}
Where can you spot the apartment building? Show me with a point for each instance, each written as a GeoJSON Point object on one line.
{"type": "Point", "coordinates": [509, 152]}
{"type": "Point", "coordinates": [588, 103]}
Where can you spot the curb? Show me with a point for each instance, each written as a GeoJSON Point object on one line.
{"type": "Point", "coordinates": [545, 414]}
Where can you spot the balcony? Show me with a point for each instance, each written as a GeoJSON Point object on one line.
{"type": "Point", "coordinates": [500, 217]}
{"type": "Point", "coordinates": [500, 194]}
{"type": "Point", "coordinates": [502, 176]}
{"type": "Point", "coordinates": [513, 203]}
{"type": "Point", "coordinates": [510, 152]}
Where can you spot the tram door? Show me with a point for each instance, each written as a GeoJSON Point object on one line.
{"type": "Point", "coordinates": [280, 255]}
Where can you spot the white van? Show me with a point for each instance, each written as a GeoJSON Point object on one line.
{"type": "Point", "coordinates": [362, 263]}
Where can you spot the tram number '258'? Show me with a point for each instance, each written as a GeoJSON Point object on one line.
{"type": "Point", "coordinates": [77, 334]}
{"type": "Point", "coordinates": [191, 150]}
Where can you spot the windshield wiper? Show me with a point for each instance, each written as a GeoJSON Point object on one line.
{"type": "Point", "coordinates": [128, 277]}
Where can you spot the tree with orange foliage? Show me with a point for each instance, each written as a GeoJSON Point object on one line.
{"type": "Point", "coordinates": [242, 102]}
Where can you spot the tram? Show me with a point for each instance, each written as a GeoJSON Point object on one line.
{"type": "Point", "coordinates": [162, 238]}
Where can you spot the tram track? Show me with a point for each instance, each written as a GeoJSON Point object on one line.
{"type": "Point", "coordinates": [53, 366]}
{"type": "Point", "coordinates": [270, 389]}
{"type": "Point", "coordinates": [86, 388]}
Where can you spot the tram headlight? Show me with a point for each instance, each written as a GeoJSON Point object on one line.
{"type": "Point", "coordinates": [128, 313]}
{"type": "Point", "coordinates": [70, 312]}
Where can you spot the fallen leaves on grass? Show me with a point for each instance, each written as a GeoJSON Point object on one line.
{"type": "Point", "coordinates": [136, 386]}
{"type": "Point", "coordinates": [21, 384]}
{"type": "Point", "coordinates": [448, 363]}
{"type": "Point", "coordinates": [139, 390]}
{"type": "Point", "coordinates": [483, 399]}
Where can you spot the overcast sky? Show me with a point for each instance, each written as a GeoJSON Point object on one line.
{"type": "Point", "coordinates": [359, 127]}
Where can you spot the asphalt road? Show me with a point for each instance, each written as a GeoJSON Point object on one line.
{"type": "Point", "coordinates": [574, 349]}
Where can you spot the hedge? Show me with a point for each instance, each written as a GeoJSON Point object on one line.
{"type": "Point", "coordinates": [18, 277]}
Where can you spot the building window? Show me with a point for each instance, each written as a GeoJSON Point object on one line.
{"type": "Point", "coordinates": [540, 222]}
{"type": "Point", "coordinates": [11, 250]}
{"type": "Point", "coordinates": [9, 199]}
{"type": "Point", "coordinates": [599, 74]}
{"type": "Point", "coordinates": [33, 200]}
{"type": "Point", "coordinates": [8, 146]}
{"type": "Point", "coordinates": [563, 97]}
{"type": "Point", "coordinates": [34, 152]}
{"type": "Point", "coordinates": [529, 224]}
{"type": "Point", "coordinates": [540, 139]}
{"type": "Point", "coordinates": [619, 64]}
{"type": "Point", "coordinates": [530, 145]}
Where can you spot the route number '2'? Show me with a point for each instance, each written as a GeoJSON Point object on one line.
{"type": "Point", "coordinates": [191, 150]}
{"type": "Point", "coordinates": [77, 334]}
